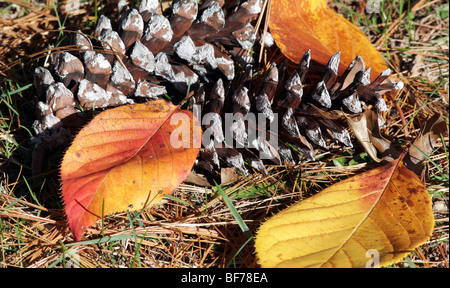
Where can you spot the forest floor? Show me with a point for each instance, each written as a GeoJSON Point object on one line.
{"type": "Point", "coordinates": [194, 227]}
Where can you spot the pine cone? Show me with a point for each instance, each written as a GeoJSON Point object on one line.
{"type": "Point", "coordinates": [303, 113]}
{"type": "Point", "coordinates": [202, 50]}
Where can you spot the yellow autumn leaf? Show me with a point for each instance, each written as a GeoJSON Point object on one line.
{"type": "Point", "coordinates": [384, 213]}
{"type": "Point", "coordinates": [300, 25]}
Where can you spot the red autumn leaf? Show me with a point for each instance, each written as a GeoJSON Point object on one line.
{"type": "Point", "coordinates": [299, 25]}
{"type": "Point", "coordinates": [125, 159]}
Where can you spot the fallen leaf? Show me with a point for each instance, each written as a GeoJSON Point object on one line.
{"type": "Point", "coordinates": [197, 179]}
{"type": "Point", "coordinates": [228, 176]}
{"type": "Point", "coordinates": [299, 25]}
{"type": "Point", "coordinates": [424, 144]}
{"type": "Point", "coordinates": [385, 147]}
{"type": "Point", "coordinates": [125, 159]}
{"type": "Point", "coordinates": [385, 212]}
{"type": "Point", "coordinates": [358, 125]}
{"type": "Point", "coordinates": [366, 129]}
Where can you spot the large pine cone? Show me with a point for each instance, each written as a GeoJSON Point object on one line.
{"type": "Point", "coordinates": [204, 50]}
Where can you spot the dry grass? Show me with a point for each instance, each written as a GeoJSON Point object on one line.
{"type": "Point", "coordinates": [195, 227]}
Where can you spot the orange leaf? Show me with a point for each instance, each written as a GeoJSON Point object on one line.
{"type": "Point", "coordinates": [125, 159]}
{"type": "Point", "coordinates": [385, 212]}
{"type": "Point", "coordinates": [299, 25]}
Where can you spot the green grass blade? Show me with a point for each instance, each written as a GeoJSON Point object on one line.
{"type": "Point", "coordinates": [102, 240]}
{"type": "Point", "coordinates": [33, 195]}
{"type": "Point", "coordinates": [235, 213]}
{"type": "Point", "coordinates": [138, 244]}
{"type": "Point", "coordinates": [170, 197]}
{"type": "Point", "coordinates": [237, 252]}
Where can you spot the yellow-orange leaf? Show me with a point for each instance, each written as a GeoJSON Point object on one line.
{"type": "Point", "coordinates": [125, 159]}
{"type": "Point", "coordinates": [299, 25]}
{"type": "Point", "coordinates": [383, 213]}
